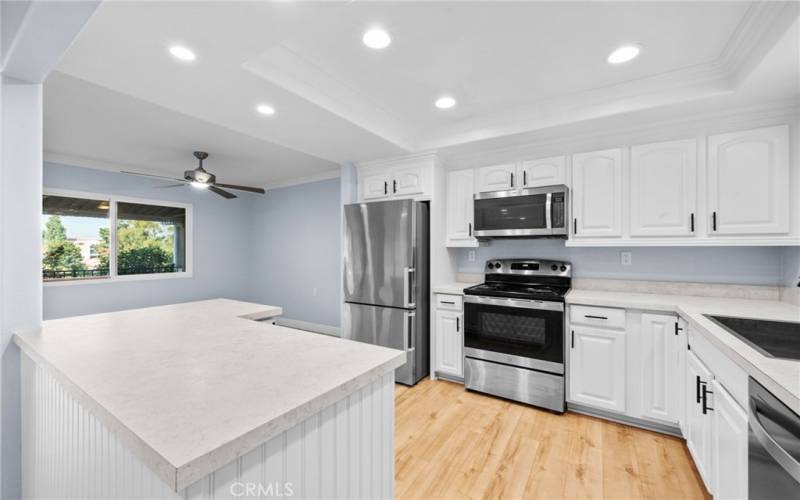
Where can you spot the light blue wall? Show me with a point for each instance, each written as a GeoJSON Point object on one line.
{"type": "Point", "coordinates": [741, 265]}
{"type": "Point", "coordinates": [221, 247]}
{"type": "Point", "coordinates": [790, 264]}
{"type": "Point", "coordinates": [295, 248]}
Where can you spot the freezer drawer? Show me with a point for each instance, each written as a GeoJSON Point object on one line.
{"type": "Point", "coordinates": [520, 384]}
{"type": "Point", "coordinates": [387, 327]}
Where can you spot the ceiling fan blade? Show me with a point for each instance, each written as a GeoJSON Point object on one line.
{"type": "Point", "coordinates": [221, 192]}
{"type": "Point", "coordinates": [171, 186]}
{"type": "Point", "coordinates": [153, 176]}
{"type": "Point", "coordinates": [241, 188]}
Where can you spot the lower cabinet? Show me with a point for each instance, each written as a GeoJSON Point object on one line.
{"type": "Point", "coordinates": [597, 367]}
{"type": "Point", "coordinates": [729, 448]}
{"type": "Point", "coordinates": [658, 355]}
{"type": "Point", "coordinates": [449, 348]}
{"type": "Point", "coordinates": [698, 421]}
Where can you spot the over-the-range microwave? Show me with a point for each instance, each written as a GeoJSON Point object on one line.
{"type": "Point", "coordinates": [533, 212]}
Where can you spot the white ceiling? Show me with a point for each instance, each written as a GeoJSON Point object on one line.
{"type": "Point", "coordinates": [513, 67]}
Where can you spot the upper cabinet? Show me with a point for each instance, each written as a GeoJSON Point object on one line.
{"type": "Point", "coordinates": [497, 177]}
{"type": "Point", "coordinates": [526, 174]}
{"type": "Point", "coordinates": [460, 191]}
{"type": "Point", "coordinates": [664, 189]}
{"type": "Point", "coordinates": [748, 182]}
{"type": "Point", "coordinates": [544, 172]}
{"type": "Point", "coordinates": [407, 177]}
{"type": "Point", "coordinates": [597, 194]}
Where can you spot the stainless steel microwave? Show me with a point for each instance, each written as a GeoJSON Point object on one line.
{"type": "Point", "coordinates": [529, 213]}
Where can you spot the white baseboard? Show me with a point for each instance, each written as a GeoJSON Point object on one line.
{"type": "Point", "coordinates": [308, 326]}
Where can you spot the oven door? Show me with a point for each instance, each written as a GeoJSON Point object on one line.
{"type": "Point", "coordinates": [527, 212]}
{"type": "Point", "coordinates": [526, 333]}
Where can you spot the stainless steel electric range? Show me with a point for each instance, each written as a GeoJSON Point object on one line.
{"type": "Point", "coordinates": [514, 331]}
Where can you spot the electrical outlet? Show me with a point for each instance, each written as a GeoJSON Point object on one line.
{"type": "Point", "coordinates": [314, 291]}
{"type": "Point", "coordinates": [471, 255]}
{"type": "Point", "coordinates": [626, 258]}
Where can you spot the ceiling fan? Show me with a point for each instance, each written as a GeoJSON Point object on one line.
{"type": "Point", "coordinates": [201, 179]}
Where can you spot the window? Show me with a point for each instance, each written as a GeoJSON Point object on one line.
{"type": "Point", "coordinates": [89, 237]}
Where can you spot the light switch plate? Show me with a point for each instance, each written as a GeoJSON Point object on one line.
{"type": "Point", "coordinates": [626, 258]}
{"type": "Point", "coordinates": [471, 255]}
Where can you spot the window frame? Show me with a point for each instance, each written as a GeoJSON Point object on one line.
{"type": "Point", "coordinates": [113, 277]}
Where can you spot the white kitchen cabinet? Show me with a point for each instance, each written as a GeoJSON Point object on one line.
{"type": "Point", "coordinates": [597, 194]}
{"type": "Point", "coordinates": [748, 182]}
{"type": "Point", "coordinates": [374, 187]}
{"type": "Point", "coordinates": [449, 343]}
{"type": "Point", "coordinates": [597, 367]}
{"type": "Point", "coordinates": [663, 189]}
{"type": "Point", "coordinates": [460, 213]}
{"type": "Point", "coordinates": [658, 344]}
{"type": "Point", "coordinates": [699, 423]}
{"type": "Point", "coordinates": [729, 446]}
{"type": "Point", "coordinates": [498, 177]}
{"type": "Point", "coordinates": [544, 172]}
{"type": "Point", "coordinates": [680, 362]}
{"type": "Point", "coordinates": [406, 177]}
{"type": "Point", "coordinates": [408, 181]}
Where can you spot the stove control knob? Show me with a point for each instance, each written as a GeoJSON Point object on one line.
{"type": "Point", "coordinates": [563, 268]}
{"type": "Point", "coordinates": [554, 267]}
{"type": "Point", "coordinates": [497, 265]}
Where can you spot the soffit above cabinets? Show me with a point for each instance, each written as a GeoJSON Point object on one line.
{"type": "Point", "coordinates": [512, 67]}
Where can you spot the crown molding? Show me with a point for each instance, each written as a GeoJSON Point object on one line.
{"type": "Point", "coordinates": [322, 176]}
{"type": "Point", "coordinates": [418, 156]}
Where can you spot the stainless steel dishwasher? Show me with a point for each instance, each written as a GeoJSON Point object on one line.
{"type": "Point", "coordinates": [773, 447]}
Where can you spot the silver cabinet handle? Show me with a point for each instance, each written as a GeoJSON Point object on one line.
{"type": "Point", "coordinates": [408, 287]}
{"type": "Point", "coordinates": [786, 461]}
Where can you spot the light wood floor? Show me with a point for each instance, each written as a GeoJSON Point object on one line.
{"type": "Point", "coordinates": [451, 443]}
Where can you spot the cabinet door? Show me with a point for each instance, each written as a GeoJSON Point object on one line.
{"type": "Point", "coordinates": [664, 189]}
{"type": "Point", "coordinates": [374, 187]}
{"type": "Point", "coordinates": [597, 194]}
{"type": "Point", "coordinates": [544, 172]}
{"type": "Point", "coordinates": [460, 213]}
{"type": "Point", "coordinates": [658, 356]}
{"type": "Point", "coordinates": [729, 446]}
{"type": "Point", "coordinates": [497, 177]}
{"type": "Point", "coordinates": [748, 182]}
{"type": "Point", "coordinates": [408, 181]}
{"type": "Point", "coordinates": [681, 395]}
{"type": "Point", "coordinates": [698, 437]}
{"type": "Point", "coordinates": [449, 343]}
{"type": "Point", "coordinates": [597, 368]}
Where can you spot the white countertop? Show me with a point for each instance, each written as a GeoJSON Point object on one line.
{"type": "Point", "coordinates": [452, 288]}
{"type": "Point", "coordinates": [779, 376]}
{"type": "Point", "coordinates": [190, 387]}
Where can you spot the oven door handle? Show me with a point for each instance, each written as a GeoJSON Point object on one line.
{"type": "Point", "coordinates": [548, 211]}
{"type": "Point", "coordinates": [543, 305]}
{"type": "Point", "coordinates": [784, 459]}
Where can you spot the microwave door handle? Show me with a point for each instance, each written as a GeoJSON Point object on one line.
{"type": "Point", "coordinates": [784, 459]}
{"type": "Point", "coordinates": [548, 211]}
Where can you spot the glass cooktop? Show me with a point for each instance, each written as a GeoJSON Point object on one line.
{"type": "Point", "coordinates": [776, 339]}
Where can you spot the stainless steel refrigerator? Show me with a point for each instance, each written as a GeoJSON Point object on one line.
{"type": "Point", "coordinates": [386, 290]}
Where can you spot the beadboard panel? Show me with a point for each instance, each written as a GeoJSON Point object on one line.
{"type": "Point", "coordinates": [344, 451]}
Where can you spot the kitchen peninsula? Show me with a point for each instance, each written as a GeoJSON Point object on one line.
{"type": "Point", "coordinates": [202, 400]}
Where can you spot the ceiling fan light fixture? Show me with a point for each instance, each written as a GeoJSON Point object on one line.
{"type": "Point", "coordinates": [199, 185]}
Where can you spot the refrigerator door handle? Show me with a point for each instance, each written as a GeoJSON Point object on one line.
{"type": "Point", "coordinates": [411, 321]}
{"type": "Point", "coordinates": [408, 286]}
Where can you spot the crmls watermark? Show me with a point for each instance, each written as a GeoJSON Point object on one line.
{"type": "Point", "coordinates": [258, 490]}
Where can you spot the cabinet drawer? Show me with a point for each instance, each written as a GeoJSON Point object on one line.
{"type": "Point", "coordinates": [597, 316]}
{"type": "Point", "coordinates": [450, 302]}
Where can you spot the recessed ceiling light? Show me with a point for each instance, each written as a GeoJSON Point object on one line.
{"type": "Point", "coordinates": [445, 102]}
{"type": "Point", "coordinates": [624, 54]}
{"type": "Point", "coordinates": [182, 53]}
{"type": "Point", "coordinates": [376, 38]}
{"type": "Point", "coordinates": [265, 109]}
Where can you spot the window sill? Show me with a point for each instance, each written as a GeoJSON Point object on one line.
{"type": "Point", "coordinates": [118, 279]}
